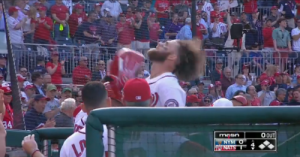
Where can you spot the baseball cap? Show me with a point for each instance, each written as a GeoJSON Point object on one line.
{"type": "Point", "coordinates": [12, 9]}
{"type": "Point", "coordinates": [42, 8]}
{"type": "Point", "coordinates": [201, 83]}
{"type": "Point", "coordinates": [298, 76]}
{"type": "Point", "coordinates": [6, 89]}
{"type": "Point", "coordinates": [98, 4]}
{"type": "Point", "coordinates": [274, 8]}
{"type": "Point", "coordinates": [222, 102]}
{"type": "Point", "coordinates": [54, 53]}
{"type": "Point", "coordinates": [188, 20]}
{"type": "Point", "coordinates": [277, 74]}
{"type": "Point", "coordinates": [245, 66]}
{"type": "Point", "coordinates": [78, 6]}
{"type": "Point", "coordinates": [122, 15]}
{"type": "Point", "coordinates": [28, 86]}
{"type": "Point", "coordinates": [21, 78]}
{"type": "Point", "coordinates": [192, 99]}
{"type": "Point", "coordinates": [67, 89]}
{"type": "Point", "coordinates": [39, 97]}
{"type": "Point", "coordinates": [265, 82]}
{"type": "Point", "coordinates": [241, 99]}
{"type": "Point", "coordinates": [211, 86]}
{"type": "Point", "coordinates": [219, 61]}
{"type": "Point", "coordinates": [218, 83]}
{"type": "Point", "coordinates": [51, 87]}
{"type": "Point", "coordinates": [136, 90]}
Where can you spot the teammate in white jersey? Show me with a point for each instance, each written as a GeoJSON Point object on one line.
{"type": "Point", "coordinates": [94, 95]}
{"type": "Point", "coordinates": [171, 61]}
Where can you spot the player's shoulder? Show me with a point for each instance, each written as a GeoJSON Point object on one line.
{"type": "Point", "coordinates": [165, 78]}
{"type": "Point", "coordinates": [76, 136]}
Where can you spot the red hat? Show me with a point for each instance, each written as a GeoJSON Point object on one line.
{"type": "Point", "coordinates": [29, 86]}
{"type": "Point", "coordinates": [277, 74]}
{"type": "Point", "coordinates": [21, 78]}
{"type": "Point", "coordinates": [153, 15]}
{"type": "Point", "coordinates": [245, 66]}
{"type": "Point", "coordinates": [214, 15]}
{"type": "Point", "coordinates": [298, 76]}
{"type": "Point", "coordinates": [192, 99]}
{"type": "Point", "coordinates": [13, 9]}
{"type": "Point", "coordinates": [5, 89]}
{"type": "Point", "coordinates": [42, 8]}
{"type": "Point", "coordinates": [113, 88]}
{"type": "Point", "coordinates": [182, 83]}
{"type": "Point", "coordinates": [122, 14]}
{"type": "Point", "coordinates": [274, 8]}
{"type": "Point", "coordinates": [218, 83]}
{"type": "Point", "coordinates": [265, 82]}
{"type": "Point", "coordinates": [211, 86]}
{"type": "Point", "coordinates": [98, 4]}
{"type": "Point", "coordinates": [54, 53]}
{"type": "Point", "coordinates": [78, 6]}
{"type": "Point", "coordinates": [241, 99]}
{"type": "Point", "coordinates": [136, 90]}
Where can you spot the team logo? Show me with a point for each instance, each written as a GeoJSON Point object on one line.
{"type": "Point", "coordinates": [154, 99]}
{"type": "Point", "coordinates": [171, 103]}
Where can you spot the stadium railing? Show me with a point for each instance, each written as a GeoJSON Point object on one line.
{"type": "Point", "coordinates": [71, 54]}
{"type": "Point", "coordinates": [45, 139]}
{"type": "Point", "coordinates": [150, 131]}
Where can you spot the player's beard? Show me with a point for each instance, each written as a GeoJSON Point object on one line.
{"type": "Point", "coordinates": [157, 56]}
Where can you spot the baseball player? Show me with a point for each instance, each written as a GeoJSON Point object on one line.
{"type": "Point", "coordinates": [173, 60]}
{"type": "Point", "coordinates": [94, 95]}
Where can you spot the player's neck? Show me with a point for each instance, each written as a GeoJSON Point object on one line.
{"type": "Point", "coordinates": [158, 69]}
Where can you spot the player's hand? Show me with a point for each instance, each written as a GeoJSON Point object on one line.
{"type": "Point", "coordinates": [29, 145]}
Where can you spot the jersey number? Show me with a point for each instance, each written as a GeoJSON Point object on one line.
{"type": "Point", "coordinates": [7, 125]}
{"type": "Point", "coordinates": [137, 152]}
{"type": "Point", "coordinates": [82, 147]}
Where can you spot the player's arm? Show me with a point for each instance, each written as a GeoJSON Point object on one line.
{"type": "Point", "coordinates": [171, 96]}
{"type": "Point", "coordinates": [63, 150]}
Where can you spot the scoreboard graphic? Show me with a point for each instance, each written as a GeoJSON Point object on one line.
{"type": "Point", "coordinates": [256, 141]}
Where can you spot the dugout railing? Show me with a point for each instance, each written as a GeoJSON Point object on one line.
{"type": "Point", "coordinates": [158, 131]}
{"type": "Point", "coordinates": [46, 138]}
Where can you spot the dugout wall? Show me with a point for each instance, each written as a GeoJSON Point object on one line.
{"type": "Point", "coordinates": [159, 132]}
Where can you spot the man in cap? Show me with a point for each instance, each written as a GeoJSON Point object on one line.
{"type": "Point", "coordinates": [136, 93]}
{"type": "Point", "coordinates": [94, 96]}
{"type": "Point", "coordinates": [40, 67]}
{"type": "Point", "coordinates": [35, 118]}
{"type": "Point", "coordinates": [53, 106]}
{"type": "Point", "coordinates": [235, 101]}
{"type": "Point", "coordinates": [29, 91]}
{"type": "Point", "coordinates": [200, 86]}
{"type": "Point", "coordinates": [173, 60]}
{"type": "Point", "coordinates": [266, 96]}
{"type": "Point", "coordinates": [217, 74]}
{"type": "Point", "coordinates": [60, 13]}
{"type": "Point", "coordinates": [76, 18]}
{"type": "Point", "coordinates": [97, 8]}
{"type": "Point", "coordinates": [278, 81]}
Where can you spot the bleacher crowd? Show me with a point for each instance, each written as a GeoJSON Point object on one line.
{"type": "Point", "coordinates": [267, 72]}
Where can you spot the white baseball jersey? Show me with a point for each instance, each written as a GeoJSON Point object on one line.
{"type": "Point", "coordinates": [75, 145]}
{"type": "Point", "coordinates": [80, 120]}
{"type": "Point", "coordinates": [166, 91]}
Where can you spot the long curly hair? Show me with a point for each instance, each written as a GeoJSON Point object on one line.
{"type": "Point", "coordinates": [191, 60]}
